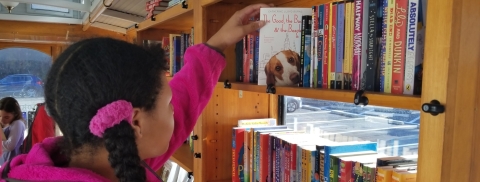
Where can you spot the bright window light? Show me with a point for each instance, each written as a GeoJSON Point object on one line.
{"type": "Point", "coordinates": [49, 8]}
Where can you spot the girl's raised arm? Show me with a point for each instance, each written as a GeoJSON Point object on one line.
{"type": "Point", "coordinates": [193, 85]}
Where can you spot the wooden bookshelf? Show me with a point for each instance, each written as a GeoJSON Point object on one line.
{"type": "Point", "coordinates": [375, 98]}
{"type": "Point", "coordinates": [451, 64]}
{"type": "Point", "coordinates": [184, 157]}
{"type": "Point", "coordinates": [208, 2]}
{"type": "Point", "coordinates": [174, 18]}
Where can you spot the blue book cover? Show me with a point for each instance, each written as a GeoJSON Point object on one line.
{"type": "Point", "coordinates": [178, 52]}
{"type": "Point", "coordinates": [383, 45]}
{"type": "Point", "coordinates": [340, 45]}
{"type": "Point", "coordinates": [320, 44]}
{"type": "Point", "coordinates": [255, 58]}
{"type": "Point", "coordinates": [254, 150]}
{"type": "Point", "coordinates": [351, 147]}
{"type": "Point", "coordinates": [307, 53]}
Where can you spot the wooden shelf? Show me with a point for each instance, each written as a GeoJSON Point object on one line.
{"type": "Point", "coordinates": [184, 157]}
{"type": "Point", "coordinates": [208, 2]}
{"type": "Point", "coordinates": [175, 18]}
{"type": "Point", "coordinates": [278, 3]}
{"type": "Point", "coordinates": [375, 98]}
{"type": "Point", "coordinates": [222, 180]}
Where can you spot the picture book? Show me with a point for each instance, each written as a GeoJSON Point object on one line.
{"type": "Point", "coordinates": [280, 46]}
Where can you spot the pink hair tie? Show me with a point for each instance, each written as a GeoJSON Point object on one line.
{"type": "Point", "coordinates": [111, 115]}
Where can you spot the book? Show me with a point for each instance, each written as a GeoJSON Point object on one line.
{"type": "Point", "coordinates": [280, 47]}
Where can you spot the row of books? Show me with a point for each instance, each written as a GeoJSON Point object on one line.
{"type": "Point", "coordinates": [174, 46]}
{"type": "Point", "coordinates": [264, 151]}
{"type": "Point", "coordinates": [154, 7]}
{"type": "Point", "coordinates": [373, 45]}
{"type": "Point", "coordinates": [172, 172]}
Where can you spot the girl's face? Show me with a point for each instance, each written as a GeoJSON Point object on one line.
{"type": "Point", "coordinates": [156, 125]}
{"type": "Point", "coordinates": [6, 117]}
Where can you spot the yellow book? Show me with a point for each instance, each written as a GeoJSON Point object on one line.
{"type": "Point", "coordinates": [387, 86]}
{"type": "Point", "coordinates": [331, 75]}
{"type": "Point", "coordinates": [404, 176]}
{"type": "Point", "coordinates": [384, 173]}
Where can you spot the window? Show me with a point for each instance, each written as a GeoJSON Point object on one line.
{"type": "Point", "coordinates": [395, 130]}
{"type": "Point", "coordinates": [22, 76]}
{"type": "Point", "coordinates": [49, 8]}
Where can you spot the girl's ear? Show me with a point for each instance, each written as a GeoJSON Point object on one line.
{"type": "Point", "coordinates": [137, 122]}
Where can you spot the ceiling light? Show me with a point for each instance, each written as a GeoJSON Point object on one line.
{"type": "Point", "coordinates": [9, 5]}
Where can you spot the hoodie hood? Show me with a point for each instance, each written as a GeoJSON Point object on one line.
{"type": "Point", "coordinates": [45, 163]}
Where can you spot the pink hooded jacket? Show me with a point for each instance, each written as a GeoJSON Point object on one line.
{"type": "Point", "coordinates": [192, 88]}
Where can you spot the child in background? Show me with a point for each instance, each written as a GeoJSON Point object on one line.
{"type": "Point", "coordinates": [13, 128]}
{"type": "Point", "coordinates": [115, 107]}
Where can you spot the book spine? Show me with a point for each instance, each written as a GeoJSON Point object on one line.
{"type": "Point", "coordinates": [302, 50]}
{"type": "Point", "coordinates": [304, 164]}
{"type": "Point", "coordinates": [235, 155]}
{"type": "Point", "coordinates": [313, 51]}
{"type": "Point", "coordinates": [389, 47]}
{"type": "Point", "coordinates": [347, 66]}
{"type": "Point", "coordinates": [256, 156]}
{"type": "Point", "coordinates": [262, 157]}
{"type": "Point", "coordinates": [277, 160]}
{"type": "Point", "coordinates": [322, 166]}
{"type": "Point", "coordinates": [398, 65]}
{"type": "Point", "coordinates": [251, 54]}
{"type": "Point", "coordinates": [271, 153]}
{"type": "Point", "coordinates": [364, 54]}
{"type": "Point", "coordinates": [288, 155]}
{"type": "Point", "coordinates": [246, 59]}
{"type": "Point", "coordinates": [357, 44]}
{"type": "Point", "coordinates": [255, 60]}
{"type": "Point", "coordinates": [178, 52]}
{"type": "Point", "coordinates": [333, 45]}
{"type": "Point", "coordinates": [237, 146]}
{"type": "Point", "coordinates": [317, 165]}
{"type": "Point", "coordinates": [340, 37]}
{"type": "Point", "coordinates": [293, 162]}
{"type": "Point", "coordinates": [326, 47]}
{"type": "Point", "coordinates": [372, 47]}
{"type": "Point", "coordinates": [251, 165]}
{"type": "Point", "coordinates": [351, 39]}
{"type": "Point", "coordinates": [313, 165]}
{"type": "Point", "coordinates": [306, 52]}
{"type": "Point", "coordinates": [299, 163]}
{"type": "Point", "coordinates": [320, 46]}
{"type": "Point", "coordinates": [239, 60]}
{"type": "Point", "coordinates": [183, 46]}
{"type": "Point", "coordinates": [383, 44]}
{"type": "Point", "coordinates": [246, 156]}
{"type": "Point", "coordinates": [410, 50]}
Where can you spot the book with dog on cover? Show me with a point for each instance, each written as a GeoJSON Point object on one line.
{"type": "Point", "coordinates": [280, 46]}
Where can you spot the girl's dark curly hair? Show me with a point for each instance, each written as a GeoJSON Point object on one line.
{"type": "Point", "coordinates": [93, 73]}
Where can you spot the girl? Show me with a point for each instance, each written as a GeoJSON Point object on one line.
{"type": "Point", "coordinates": [113, 104]}
{"type": "Point", "coordinates": [13, 130]}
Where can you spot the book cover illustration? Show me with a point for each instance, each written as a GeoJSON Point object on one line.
{"type": "Point", "coordinates": [279, 46]}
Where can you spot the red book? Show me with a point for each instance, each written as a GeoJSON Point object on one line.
{"type": "Point", "coordinates": [398, 65]}
{"type": "Point", "coordinates": [333, 44]}
{"type": "Point", "coordinates": [326, 44]}
{"type": "Point", "coordinates": [264, 150]}
{"type": "Point", "coordinates": [346, 171]}
{"type": "Point", "coordinates": [238, 152]}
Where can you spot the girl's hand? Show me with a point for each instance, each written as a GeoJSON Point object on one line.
{"type": "Point", "coordinates": [237, 27]}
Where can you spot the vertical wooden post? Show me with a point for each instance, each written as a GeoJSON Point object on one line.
{"type": "Point", "coordinates": [199, 167]}
{"type": "Point", "coordinates": [450, 76]}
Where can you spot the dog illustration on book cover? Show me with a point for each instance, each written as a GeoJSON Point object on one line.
{"type": "Point", "coordinates": [283, 67]}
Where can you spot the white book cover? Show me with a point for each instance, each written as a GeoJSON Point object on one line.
{"type": "Point", "coordinates": [410, 48]}
{"type": "Point", "coordinates": [279, 46]}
